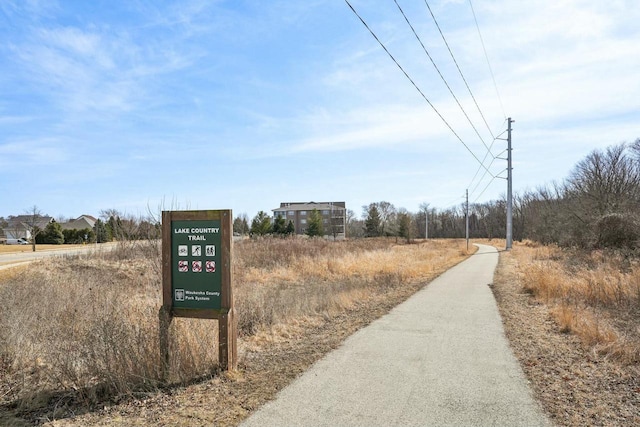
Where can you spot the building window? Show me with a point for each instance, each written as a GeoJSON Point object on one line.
{"type": "Point", "coordinates": [303, 221]}
{"type": "Point", "coordinates": [290, 213]}
{"type": "Point", "coordinates": [326, 212]}
{"type": "Point", "coordinates": [303, 213]}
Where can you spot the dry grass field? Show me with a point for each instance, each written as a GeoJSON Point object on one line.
{"type": "Point", "coordinates": [5, 249]}
{"type": "Point", "coordinates": [594, 295]}
{"type": "Point", "coordinates": [81, 332]}
{"type": "Point", "coordinates": [572, 318]}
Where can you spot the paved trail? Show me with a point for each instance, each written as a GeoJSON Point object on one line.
{"type": "Point", "coordinates": [439, 359]}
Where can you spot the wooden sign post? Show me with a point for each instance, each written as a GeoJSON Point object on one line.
{"type": "Point", "coordinates": [197, 277]}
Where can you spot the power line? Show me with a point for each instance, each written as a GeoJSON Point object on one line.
{"type": "Point", "coordinates": [459, 70]}
{"type": "Point", "coordinates": [481, 178]}
{"type": "Point", "coordinates": [440, 74]}
{"type": "Point", "coordinates": [487, 58]}
{"type": "Point", "coordinates": [455, 200]}
{"type": "Point", "coordinates": [478, 170]}
{"type": "Point", "coordinates": [487, 186]}
{"type": "Point", "coordinates": [492, 160]}
{"type": "Point", "coordinates": [415, 85]}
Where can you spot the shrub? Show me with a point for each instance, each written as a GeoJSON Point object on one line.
{"type": "Point", "coordinates": [52, 234]}
{"type": "Point", "coordinates": [617, 231]}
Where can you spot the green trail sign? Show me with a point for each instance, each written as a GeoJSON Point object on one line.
{"type": "Point", "coordinates": [196, 262]}
{"type": "Point", "coordinates": [196, 275]}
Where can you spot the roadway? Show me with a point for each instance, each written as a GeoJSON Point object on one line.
{"type": "Point", "coordinates": [12, 259]}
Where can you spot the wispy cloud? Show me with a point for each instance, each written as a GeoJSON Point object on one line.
{"type": "Point", "coordinates": [19, 154]}
{"type": "Point", "coordinates": [96, 68]}
{"type": "Point", "coordinates": [396, 126]}
{"type": "Point", "coordinates": [33, 8]}
{"type": "Point", "coordinates": [76, 67]}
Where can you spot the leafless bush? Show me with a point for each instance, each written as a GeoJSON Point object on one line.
{"type": "Point", "coordinates": [618, 231]}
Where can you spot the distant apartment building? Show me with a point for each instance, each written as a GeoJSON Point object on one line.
{"type": "Point", "coordinates": [333, 216]}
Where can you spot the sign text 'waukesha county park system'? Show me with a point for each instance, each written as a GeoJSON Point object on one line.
{"type": "Point", "coordinates": [197, 282]}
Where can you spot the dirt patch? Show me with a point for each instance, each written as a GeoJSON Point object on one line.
{"type": "Point", "coordinates": [575, 385]}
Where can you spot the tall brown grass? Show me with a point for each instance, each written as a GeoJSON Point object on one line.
{"type": "Point", "coordinates": [86, 327]}
{"type": "Point", "coordinates": [594, 294]}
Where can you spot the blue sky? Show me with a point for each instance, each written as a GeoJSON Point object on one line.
{"type": "Point", "coordinates": [142, 105]}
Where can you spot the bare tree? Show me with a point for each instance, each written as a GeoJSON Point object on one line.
{"type": "Point", "coordinates": [241, 224]}
{"type": "Point", "coordinates": [387, 217]}
{"type": "Point", "coordinates": [355, 226]}
{"type": "Point", "coordinates": [106, 214]}
{"type": "Point", "coordinates": [33, 223]}
{"type": "Point", "coordinates": [606, 182]}
{"type": "Point", "coordinates": [635, 151]}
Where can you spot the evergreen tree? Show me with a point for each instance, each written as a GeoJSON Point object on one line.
{"type": "Point", "coordinates": [261, 224]}
{"type": "Point", "coordinates": [404, 225]}
{"type": "Point", "coordinates": [100, 229]}
{"type": "Point", "coordinates": [314, 226]}
{"type": "Point", "coordinates": [114, 228]}
{"type": "Point", "coordinates": [372, 223]}
{"type": "Point", "coordinates": [291, 229]}
{"type": "Point", "coordinates": [52, 234]}
{"type": "Point", "coordinates": [279, 225]}
{"type": "Point", "coordinates": [87, 235]}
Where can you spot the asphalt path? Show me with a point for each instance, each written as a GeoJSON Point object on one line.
{"type": "Point", "coordinates": [12, 259]}
{"type": "Point", "coordinates": [439, 359]}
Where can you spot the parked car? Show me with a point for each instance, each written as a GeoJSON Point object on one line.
{"type": "Point", "coordinates": [17, 242]}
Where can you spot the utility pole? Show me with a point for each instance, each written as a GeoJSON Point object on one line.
{"type": "Point", "coordinates": [426, 224]}
{"type": "Point", "coordinates": [467, 219]}
{"type": "Point", "coordinates": [509, 188]}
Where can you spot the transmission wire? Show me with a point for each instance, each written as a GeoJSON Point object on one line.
{"type": "Point", "coordinates": [415, 85]}
{"type": "Point", "coordinates": [459, 70]}
{"type": "Point", "coordinates": [440, 74]}
{"type": "Point", "coordinates": [487, 58]}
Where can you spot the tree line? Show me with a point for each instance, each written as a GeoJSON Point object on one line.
{"type": "Point", "coordinates": [263, 224]}
{"type": "Point", "coordinates": [596, 206]}
{"type": "Point", "coordinates": [114, 225]}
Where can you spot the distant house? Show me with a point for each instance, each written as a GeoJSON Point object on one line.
{"type": "Point", "coordinates": [333, 216]}
{"type": "Point", "coordinates": [21, 226]}
{"type": "Point", "coordinates": [80, 223]}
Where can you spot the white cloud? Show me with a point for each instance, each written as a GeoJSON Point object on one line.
{"type": "Point", "coordinates": [18, 154]}
{"type": "Point", "coordinates": [393, 126]}
{"type": "Point", "coordinates": [96, 68]}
